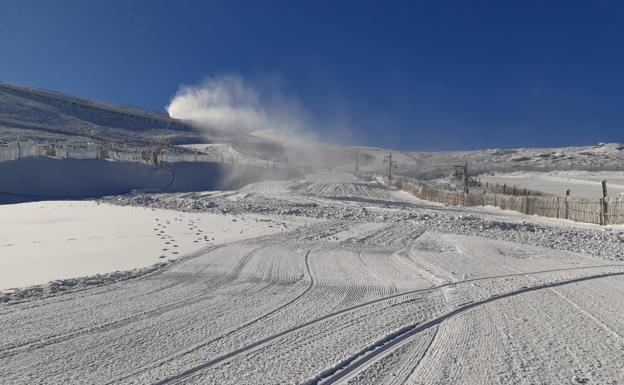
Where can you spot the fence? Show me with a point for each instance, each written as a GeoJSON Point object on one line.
{"type": "Point", "coordinates": [603, 211]}
{"type": "Point", "coordinates": [501, 188]}
{"type": "Point", "coordinates": [18, 150]}
{"type": "Point", "coordinates": [150, 155]}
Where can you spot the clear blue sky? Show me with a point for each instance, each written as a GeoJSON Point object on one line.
{"type": "Point", "coordinates": [429, 75]}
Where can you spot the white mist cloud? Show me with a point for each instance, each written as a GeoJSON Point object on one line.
{"type": "Point", "coordinates": [230, 104]}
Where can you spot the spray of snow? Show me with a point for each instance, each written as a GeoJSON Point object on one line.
{"type": "Point", "coordinates": [230, 104]}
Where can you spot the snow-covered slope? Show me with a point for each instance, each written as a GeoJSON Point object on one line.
{"type": "Point", "coordinates": [46, 241]}
{"type": "Point", "coordinates": [47, 116]}
{"type": "Point", "coordinates": [600, 157]}
{"type": "Point", "coordinates": [320, 279]}
{"type": "Point", "coordinates": [36, 114]}
{"type": "Point", "coordinates": [582, 184]}
{"type": "Point", "coordinates": [55, 146]}
{"type": "Point", "coordinates": [370, 290]}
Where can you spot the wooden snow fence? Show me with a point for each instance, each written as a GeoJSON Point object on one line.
{"type": "Point", "coordinates": [602, 211]}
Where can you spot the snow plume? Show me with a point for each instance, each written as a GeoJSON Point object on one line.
{"type": "Point", "coordinates": [230, 104]}
{"type": "Point", "coordinates": [233, 105]}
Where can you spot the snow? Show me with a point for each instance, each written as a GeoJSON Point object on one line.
{"type": "Point", "coordinates": [583, 184]}
{"type": "Point", "coordinates": [224, 152]}
{"type": "Point", "coordinates": [333, 280]}
{"type": "Point", "coordinates": [312, 279]}
{"type": "Point", "coordinates": [36, 178]}
{"type": "Point", "coordinates": [47, 241]}
{"type": "Point", "coordinates": [31, 113]}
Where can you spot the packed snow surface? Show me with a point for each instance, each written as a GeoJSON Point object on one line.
{"type": "Point", "coordinates": [367, 287]}
{"type": "Point", "coordinates": [47, 241]}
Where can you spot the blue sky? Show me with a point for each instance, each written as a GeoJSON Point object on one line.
{"type": "Point", "coordinates": [410, 75]}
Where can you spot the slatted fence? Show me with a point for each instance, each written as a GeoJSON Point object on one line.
{"type": "Point", "coordinates": [603, 211]}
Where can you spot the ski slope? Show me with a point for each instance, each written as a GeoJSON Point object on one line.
{"type": "Point", "coordinates": [582, 184]}
{"type": "Point", "coordinates": [369, 288]}
{"type": "Point", "coordinates": [318, 278]}
{"type": "Point", "coordinates": [55, 240]}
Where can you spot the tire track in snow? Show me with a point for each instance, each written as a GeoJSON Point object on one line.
{"type": "Point", "coordinates": [388, 285]}
{"type": "Point", "coordinates": [190, 372]}
{"type": "Point", "coordinates": [197, 369]}
{"type": "Point", "coordinates": [589, 314]}
{"type": "Point", "coordinates": [192, 277]}
{"type": "Point", "coordinates": [422, 356]}
{"type": "Point", "coordinates": [62, 337]}
{"type": "Point", "coordinates": [362, 359]}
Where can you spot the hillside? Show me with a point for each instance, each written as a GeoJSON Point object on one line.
{"type": "Point", "coordinates": [36, 114]}
{"type": "Point", "coordinates": [40, 118]}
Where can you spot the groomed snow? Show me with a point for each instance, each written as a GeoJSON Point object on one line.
{"type": "Point", "coordinates": [372, 288]}
{"type": "Point", "coordinates": [45, 241]}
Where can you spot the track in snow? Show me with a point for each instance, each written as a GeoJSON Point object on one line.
{"type": "Point", "coordinates": [392, 341]}
{"type": "Point", "coordinates": [335, 300]}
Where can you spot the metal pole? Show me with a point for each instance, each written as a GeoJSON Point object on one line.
{"type": "Point", "coordinates": [391, 164]}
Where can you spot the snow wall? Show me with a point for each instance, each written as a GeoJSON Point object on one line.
{"type": "Point", "coordinates": [45, 178]}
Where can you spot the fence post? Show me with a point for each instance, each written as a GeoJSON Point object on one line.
{"type": "Point", "coordinates": [604, 203]}
{"type": "Point", "coordinates": [567, 204]}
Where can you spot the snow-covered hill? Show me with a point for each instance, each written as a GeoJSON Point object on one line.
{"type": "Point", "coordinates": [35, 117]}
{"type": "Point", "coordinates": [36, 114]}
{"type": "Point", "coordinates": [600, 157]}
{"type": "Point", "coordinates": [320, 278]}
